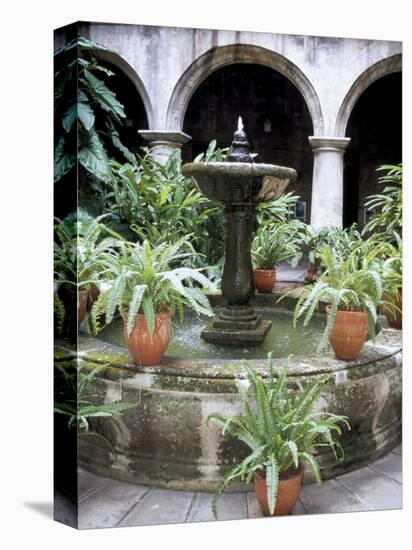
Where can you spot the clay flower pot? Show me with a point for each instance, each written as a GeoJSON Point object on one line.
{"type": "Point", "coordinates": [264, 280]}
{"type": "Point", "coordinates": [93, 295]}
{"type": "Point", "coordinates": [349, 333]}
{"type": "Point", "coordinates": [288, 492]}
{"type": "Point", "coordinates": [310, 273]}
{"type": "Point", "coordinates": [394, 317]}
{"type": "Point", "coordinates": [146, 348]}
{"type": "Point", "coordinates": [76, 299]}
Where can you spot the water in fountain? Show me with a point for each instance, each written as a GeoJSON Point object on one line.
{"type": "Point", "coordinates": [186, 341]}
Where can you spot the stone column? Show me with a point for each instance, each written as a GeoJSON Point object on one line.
{"type": "Point", "coordinates": [163, 142]}
{"type": "Point", "coordinates": [327, 186]}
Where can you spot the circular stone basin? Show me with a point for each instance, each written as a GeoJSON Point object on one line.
{"type": "Point", "coordinates": [283, 340]}
{"type": "Point", "coordinates": [165, 441]}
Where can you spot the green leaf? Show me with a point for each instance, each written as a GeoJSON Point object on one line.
{"type": "Point", "coordinates": [93, 156]}
{"type": "Point", "coordinates": [63, 161]}
{"type": "Point", "coordinates": [105, 97]}
{"type": "Point", "coordinates": [272, 481]}
{"type": "Point", "coordinates": [134, 306]}
{"type": "Point", "coordinates": [86, 115]}
{"type": "Point", "coordinates": [122, 148]}
{"type": "Point", "coordinates": [69, 117]}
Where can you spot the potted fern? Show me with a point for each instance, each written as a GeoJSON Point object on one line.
{"type": "Point", "coordinates": [147, 293]}
{"type": "Point", "coordinates": [279, 426]}
{"type": "Point", "coordinates": [275, 243]}
{"type": "Point", "coordinates": [79, 250]}
{"type": "Point", "coordinates": [392, 281]}
{"type": "Point", "coordinates": [351, 284]}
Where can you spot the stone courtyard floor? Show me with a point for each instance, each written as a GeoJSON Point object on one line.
{"type": "Point", "coordinates": [105, 502]}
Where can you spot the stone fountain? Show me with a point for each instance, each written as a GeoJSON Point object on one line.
{"type": "Point", "coordinates": [239, 184]}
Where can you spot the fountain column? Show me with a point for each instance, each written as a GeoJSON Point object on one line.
{"type": "Point", "coordinates": [239, 183]}
{"type": "Point", "coordinates": [327, 186]}
{"type": "Point", "coordinates": [163, 143]}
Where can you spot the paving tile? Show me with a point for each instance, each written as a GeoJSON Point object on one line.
{"type": "Point", "coordinates": [299, 509]}
{"type": "Point", "coordinates": [390, 465]}
{"type": "Point", "coordinates": [159, 506]}
{"type": "Point", "coordinates": [398, 450]}
{"type": "Point", "coordinates": [253, 507]}
{"type": "Point", "coordinates": [229, 506]}
{"type": "Point", "coordinates": [376, 491]}
{"type": "Point", "coordinates": [64, 509]}
{"type": "Point", "coordinates": [88, 483]}
{"type": "Point", "coordinates": [109, 504]}
{"type": "Point", "coordinates": [329, 497]}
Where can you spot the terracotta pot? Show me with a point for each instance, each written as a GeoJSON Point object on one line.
{"type": "Point", "coordinates": [93, 295]}
{"type": "Point", "coordinates": [311, 273]}
{"type": "Point", "coordinates": [394, 317]}
{"type": "Point", "coordinates": [147, 349]}
{"type": "Point", "coordinates": [349, 333]}
{"type": "Point", "coordinates": [264, 280]}
{"type": "Point", "coordinates": [288, 492]}
{"type": "Point", "coordinates": [76, 299]}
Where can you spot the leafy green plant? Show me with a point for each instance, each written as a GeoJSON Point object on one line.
{"type": "Point", "coordinates": [385, 223]}
{"type": "Point", "coordinates": [213, 153]}
{"type": "Point", "coordinates": [160, 205]}
{"type": "Point", "coordinates": [278, 210]}
{"type": "Point", "coordinates": [278, 242]}
{"type": "Point", "coordinates": [350, 282]}
{"type": "Point", "coordinates": [392, 276]}
{"type": "Point", "coordinates": [74, 399]}
{"type": "Point", "coordinates": [141, 281]}
{"type": "Point", "coordinates": [87, 113]}
{"type": "Point", "coordinates": [343, 240]}
{"type": "Point", "coordinates": [79, 251]}
{"type": "Point", "coordinates": [281, 429]}
{"type": "Point", "coordinates": [314, 239]}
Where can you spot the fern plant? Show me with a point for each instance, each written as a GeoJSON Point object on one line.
{"type": "Point", "coordinates": [392, 276]}
{"type": "Point", "coordinates": [279, 427]}
{"type": "Point", "coordinates": [385, 223]}
{"type": "Point", "coordinates": [141, 281]}
{"type": "Point", "coordinates": [74, 399]}
{"type": "Point", "coordinates": [278, 242]}
{"type": "Point", "coordinates": [351, 282]}
{"type": "Point", "coordinates": [279, 210]}
{"type": "Point", "coordinates": [79, 250]}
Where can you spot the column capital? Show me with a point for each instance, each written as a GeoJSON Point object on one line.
{"type": "Point", "coordinates": [336, 144]}
{"type": "Point", "coordinates": [165, 137]}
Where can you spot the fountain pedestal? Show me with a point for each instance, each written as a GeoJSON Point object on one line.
{"type": "Point", "coordinates": [238, 323]}
{"type": "Point", "coordinates": [239, 184]}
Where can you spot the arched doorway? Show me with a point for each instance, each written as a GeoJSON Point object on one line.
{"type": "Point", "coordinates": [275, 114]}
{"type": "Point", "coordinates": [375, 129]}
{"type": "Point", "coordinates": [135, 110]}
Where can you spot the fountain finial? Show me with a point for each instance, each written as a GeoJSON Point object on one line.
{"type": "Point", "coordinates": [240, 145]}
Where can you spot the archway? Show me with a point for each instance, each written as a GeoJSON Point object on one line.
{"type": "Point", "coordinates": [375, 129]}
{"type": "Point", "coordinates": [276, 117]}
{"type": "Point", "coordinates": [131, 92]}
{"type": "Point", "coordinates": [220, 57]}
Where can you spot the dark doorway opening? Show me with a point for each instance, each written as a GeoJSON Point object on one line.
{"type": "Point", "coordinates": [275, 115]}
{"type": "Point", "coordinates": [375, 129]}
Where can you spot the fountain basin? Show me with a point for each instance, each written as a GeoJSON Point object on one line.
{"type": "Point", "coordinates": [240, 182]}
{"type": "Point", "coordinates": [164, 441]}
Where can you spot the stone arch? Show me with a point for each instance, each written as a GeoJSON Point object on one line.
{"type": "Point", "coordinates": [118, 61]}
{"type": "Point", "coordinates": [222, 56]}
{"type": "Point", "coordinates": [385, 66]}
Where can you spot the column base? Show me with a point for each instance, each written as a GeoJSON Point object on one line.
{"type": "Point", "coordinates": [237, 326]}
